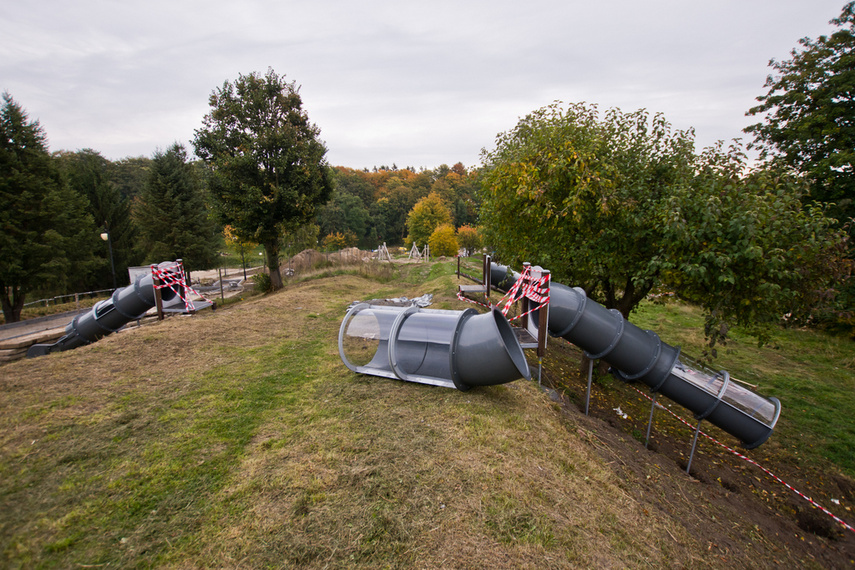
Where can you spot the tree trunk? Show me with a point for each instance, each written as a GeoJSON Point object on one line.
{"type": "Point", "coordinates": [12, 309]}
{"type": "Point", "coordinates": [272, 251]}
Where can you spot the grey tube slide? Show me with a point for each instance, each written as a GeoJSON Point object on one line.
{"type": "Point", "coordinates": [127, 304]}
{"type": "Point", "coordinates": [639, 355]}
{"type": "Point", "coordinates": [455, 349]}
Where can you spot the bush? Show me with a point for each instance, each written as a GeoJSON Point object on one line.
{"type": "Point", "coordinates": [426, 216]}
{"type": "Point", "coordinates": [443, 241]}
{"type": "Point", "coordinates": [262, 282]}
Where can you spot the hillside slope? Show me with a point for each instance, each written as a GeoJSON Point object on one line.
{"type": "Point", "coordinates": [237, 438]}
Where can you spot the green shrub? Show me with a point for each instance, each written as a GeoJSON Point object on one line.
{"type": "Point", "coordinates": [262, 282]}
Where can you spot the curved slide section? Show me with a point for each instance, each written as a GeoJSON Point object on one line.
{"type": "Point", "coordinates": [126, 304]}
{"type": "Point", "coordinates": [454, 349]}
{"type": "Point", "coordinates": [639, 355]}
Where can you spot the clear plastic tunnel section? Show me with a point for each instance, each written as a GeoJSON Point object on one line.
{"type": "Point", "coordinates": [454, 349]}
{"type": "Point", "coordinates": [748, 415]}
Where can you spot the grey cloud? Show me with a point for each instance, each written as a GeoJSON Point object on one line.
{"type": "Point", "coordinates": [392, 82]}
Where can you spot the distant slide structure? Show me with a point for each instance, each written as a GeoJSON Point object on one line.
{"type": "Point", "coordinates": [127, 304]}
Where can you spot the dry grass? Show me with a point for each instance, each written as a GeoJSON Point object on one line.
{"type": "Point", "coordinates": [237, 439]}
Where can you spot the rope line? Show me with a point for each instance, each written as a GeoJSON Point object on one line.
{"type": "Point", "coordinates": [753, 462]}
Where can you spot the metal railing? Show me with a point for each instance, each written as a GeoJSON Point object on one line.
{"type": "Point", "coordinates": [75, 296]}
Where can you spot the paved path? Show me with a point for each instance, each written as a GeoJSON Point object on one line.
{"type": "Point", "coordinates": [60, 320]}
{"type": "Point", "coordinates": [39, 324]}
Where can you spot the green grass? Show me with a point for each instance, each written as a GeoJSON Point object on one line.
{"type": "Point", "coordinates": [811, 372]}
{"type": "Point", "coordinates": [237, 438]}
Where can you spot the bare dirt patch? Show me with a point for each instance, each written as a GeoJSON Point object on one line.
{"type": "Point", "coordinates": [733, 507]}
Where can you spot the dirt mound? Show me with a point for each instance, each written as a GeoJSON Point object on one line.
{"type": "Point", "coordinates": [311, 258]}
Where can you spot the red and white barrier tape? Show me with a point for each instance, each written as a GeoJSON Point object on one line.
{"type": "Point", "coordinates": [753, 462]}
{"type": "Point", "coordinates": [172, 276]}
{"type": "Point", "coordinates": [537, 291]}
{"type": "Point", "coordinates": [468, 300]}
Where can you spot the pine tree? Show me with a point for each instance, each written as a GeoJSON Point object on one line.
{"type": "Point", "coordinates": [89, 174]}
{"type": "Point", "coordinates": [47, 238]}
{"type": "Point", "coordinates": [171, 215]}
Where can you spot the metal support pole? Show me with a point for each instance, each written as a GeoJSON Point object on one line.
{"type": "Point", "coordinates": [222, 295]}
{"type": "Point", "coordinates": [590, 378]}
{"type": "Point", "coordinates": [694, 444]}
{"type": "Point", "coordinates": [650, 420]}
{"type": "Point", "coordinates": [158, 299]}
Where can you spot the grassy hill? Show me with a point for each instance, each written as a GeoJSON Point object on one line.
{"type": "Point", "coordinates": [238, 439]}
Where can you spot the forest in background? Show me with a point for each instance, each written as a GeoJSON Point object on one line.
{"type": "Point", "coordinates": [368, 207]}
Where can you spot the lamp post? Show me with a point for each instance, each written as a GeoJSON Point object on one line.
{"type": "Point", "coordinates": [106, 237]}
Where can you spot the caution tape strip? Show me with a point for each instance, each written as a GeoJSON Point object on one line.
{"type": "Point", "coordinates": [543, 304]}
{"type": "Point", "coordinates": [753, 462]}
{"type": "Point", "coordinates": [537, 291]}
{"type": "Point", "coordinates": [172, 276]}
{"type": "Point", "coordinates": [468, 300]}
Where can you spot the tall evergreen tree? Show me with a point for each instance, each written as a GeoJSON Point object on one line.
{"type": "Point", "coordinates": [47, 238]}
{"type": "Point", "coordinates": [171, 215]}
{"type": "Point", "coordinates": [89, 174]}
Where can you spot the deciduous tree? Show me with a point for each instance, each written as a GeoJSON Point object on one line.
{"type": "Point", "coordinates": [301, 237]}
{"type": "Point", "coordinates": [443, 241]}
{"type": "Point", "coordinates": [344, 213]}
{"type": "Point", "coordinates": [268, 165]}
{"type": "Point", "coordinates": [129, 175]}
{"type": "Point", "coordinates": [739, 243]}
{"type": "Point", "coordinates": [428, 213]}
{"type": "Point", "coordinates": [809, 114]}
{"type": "Point", "coordinates": [621, 204]}
{"type": "Point", "coordinates": [469, 239]}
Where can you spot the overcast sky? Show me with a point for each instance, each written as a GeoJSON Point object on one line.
{"type": "Point", "coordinates": [411, 83]}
